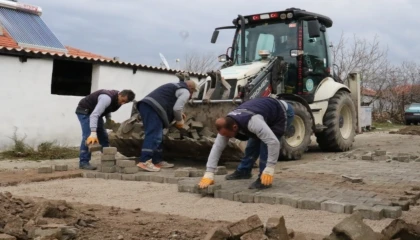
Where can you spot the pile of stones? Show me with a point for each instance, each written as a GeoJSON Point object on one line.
{"type": "Point", "coordinates": [109, 164]}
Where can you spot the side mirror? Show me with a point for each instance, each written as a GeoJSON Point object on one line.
{"type": "Point", "coordinates": [314, 29]}
{"type": "Point", "coordinates": [214, 37]}
{"type": "Point", "coordinates": [222, 58]}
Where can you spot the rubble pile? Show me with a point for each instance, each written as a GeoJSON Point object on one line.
{"type": "Point", "coordinates": [410, 130]}
{"type": "Point", "coordinates": [24, 219]}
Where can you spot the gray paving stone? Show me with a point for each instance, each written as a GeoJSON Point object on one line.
{"type": "Point", "coordinates": [108, 169]}
{"type": "Point", "coordinates": [373, 213]}
{"type": "Point", "coordinates": [224, 194]}
{"type": "Point", "coordinates": [213, 188]}
{"type": "Point", "coordinates": [380, 152]}
{"type": "Point", "coordinates": [102, 175]}
{"type": "Point", "coordinates": [182, 173]}
{"type": "Point", "coordinates": [115, 176]}
{"type": "Point", "coordinates": [171, 180]}
{"type": "Point", "coordinates": [48, 169]}
{"type": "Point", "coordinates": [157, 179]}
{"type": "Point", "coordinates": [61, 167]}
{"type": "Point", "coordinates": [332, 206]}
{"type": "Point", "coordinates": [89, 174]}
{"type": "Point", "coordinates": [108, 163]}
{"type": "Point", "coordinates": [221, 170]}
{"type": "Point", "coordinates": [196, 173]}
{"type": "Point", "coordinates": [109, 150]}
{"type": "Point", "coordinates": [291, 201]}
{"type": "Point", "coordinates": [107, 157]}
{"type": "Point", "coordinates": [392, 212]}
{"type": "Point", "coordinates": [367, 156]}
{"type": "Point", "coordinates": [129, 170]}
{"type": "Point", "coordinates": [310, 203]}
{"type": "Point", "coordinates": [143, 177]}
{"type": "Point", "coordinates": [128, 177]}
{"type": "Point", "coordinates": [245, 197]}
{"type": "Point", "coordinates": [265, 198]}
{"type": "Point", "coordinates": [126, 163]}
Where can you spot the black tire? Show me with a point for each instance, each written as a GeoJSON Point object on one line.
{"type": "Point", "coordinates": [331, 139]}
{"type": "Point", "coordinates": [302, 119]}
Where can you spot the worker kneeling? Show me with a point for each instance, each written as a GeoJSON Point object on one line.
{"type": "Point", "coordinates": [261, 121]}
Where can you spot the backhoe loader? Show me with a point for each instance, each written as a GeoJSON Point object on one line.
{"type": "Point", "coordinates": [281, 54]}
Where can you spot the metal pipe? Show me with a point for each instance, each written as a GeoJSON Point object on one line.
{"type": "Point", "coordinates": [218, 101]}
{"type": "Point", "coordinates": [243, 58]}
{"type": "Point", "coordinates": [21, 6]}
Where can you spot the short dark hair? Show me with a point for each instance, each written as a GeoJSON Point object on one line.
{"type": "Point", "coordinates": [229, 123]}
{"type": "Point", "coordinates": [129, 94]}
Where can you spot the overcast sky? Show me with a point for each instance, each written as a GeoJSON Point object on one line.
{"type": "Point", "coordinates": [137, 30]}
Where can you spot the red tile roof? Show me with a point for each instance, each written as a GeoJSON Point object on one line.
{"type": "Point", "coordinates": [368, 92]}
{"type": "Point", "coordinates": [6, 40]}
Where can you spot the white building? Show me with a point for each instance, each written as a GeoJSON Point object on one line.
{"type": "Point", "coordinates": [42, 81]}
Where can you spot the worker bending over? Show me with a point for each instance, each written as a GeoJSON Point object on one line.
{"type": "Point", "coordinates": [157, 111]}
{"type": "Point", "coordinates": [261, 121]}
{"type": "Point", "coordinates": [90, 112]}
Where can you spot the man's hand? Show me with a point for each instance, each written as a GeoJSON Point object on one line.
{"type": "Point", "coordinates": [179, 124]}
{"type": "Point", "coordinates": [267, 176]}
{"type": "Point", "coordinates": [207, 180]}
{"type": "Point", "coordinates": [92, 139]}
{"type": "Point", "coordinates": [184, 117]}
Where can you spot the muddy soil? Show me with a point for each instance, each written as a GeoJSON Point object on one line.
{"type": "Point", "coordinates": [410, 130]}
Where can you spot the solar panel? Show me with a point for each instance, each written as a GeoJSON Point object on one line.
{"type": "Point", "coordinates": [28, 30]}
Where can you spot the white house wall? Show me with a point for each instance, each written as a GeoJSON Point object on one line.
{"type": "Point", "coordinates": [28, 105]}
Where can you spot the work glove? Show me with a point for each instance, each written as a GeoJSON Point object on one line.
{"type": "Point", "coordinates": [207, 180]}
{"type": "Point", "coordinates": [92, 139]}
{"type": "Point", "coordinates": [267, 176]}
{"type": "Point", "coordinates": [179, 124]}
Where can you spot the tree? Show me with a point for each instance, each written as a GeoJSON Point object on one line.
{"type": "Point", "coordinates": [200, 62]}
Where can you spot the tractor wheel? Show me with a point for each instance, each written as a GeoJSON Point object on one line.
{"type": "Point", "coordinates": [340, 120]}
{"type": "Point", "coordinates": [298, 136]}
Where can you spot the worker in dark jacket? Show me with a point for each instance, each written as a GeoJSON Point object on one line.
{"type": "Point", "coordinates": [262, 122]}
{"type": "Point", "coordinates": [157, 110]}
{"type": "Point", "coordinates": [90, 112]}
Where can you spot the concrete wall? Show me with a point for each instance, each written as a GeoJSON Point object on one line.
{"type": "Point", "coordinates": [28, 105]}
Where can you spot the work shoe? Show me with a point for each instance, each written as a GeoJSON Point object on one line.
{"type": "Point", "coordinates": [164, 164]}
{"type": "Point", "coordinates": [258, 185]}
{"type": "Point", "coordinates": [236, 175]}
{"type": "Point", "coordinates": [148, 166]}
{"type": "Point", "coordinates": [87, 166]}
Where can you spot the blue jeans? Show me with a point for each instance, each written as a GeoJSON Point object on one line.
{"type": "Point", "coordinates": [290, 115]}
{"type": "Point", "coordinates": [153, 130]}
{"type": "Point", "coordinates": [85, 155]}
{"type": "Point", "coordinates": [254, 148]}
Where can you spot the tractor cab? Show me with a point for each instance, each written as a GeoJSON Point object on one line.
{"type": "Point", "coordinates": [295, 36]}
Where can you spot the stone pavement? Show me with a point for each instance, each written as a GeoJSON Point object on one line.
{"type": "Point", "coordinates": [385, 189]}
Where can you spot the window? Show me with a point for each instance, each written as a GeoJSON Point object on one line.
{"type": "Point", "coordinates": [265, 42]}
{"type": "Point", "coordinates": [71, 78]}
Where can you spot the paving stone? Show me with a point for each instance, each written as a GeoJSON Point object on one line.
{"type": "Point", "coordinates": [221, 170]}
{"type": "Point", "coordinates": [392, 212]}
{"type": "Point", "coordinates": [102, 175]}
{"type": "Point", "coordinates": [244, 226]}
{"type": "Point", "coordinates": [291, 201]}
{"type": "Point", "coordinates": [45, 169]}
{"type": "Point", "coordinates": [309, 203]}
{"type": "Point", "coordinates": [189, 187]}
{"type": "Point", "coordinates": [380, 153]}
{"type": "Point", "coordinates": [373, 213]}
{"type": "Point", "coordinates": [171, 180]}
{"type": "Point", "coordinates": [196, 124]}
{"type": "Point", "coordinates": [352, 179]}
{"type": "Point", "coordinates": [143, 177]}
{"type": "Point", "coordinates": [95, 147]}
{"type": "Point", "coordinates": [405, 205]}
{"type": "Point", "coordinates": [213, 188]}
{"type": "Point", "coordinates": [107, 157]}
{"type": "Point", "coordinates": [218, 233]}
{"type": "Point", "coordinates": [194, 134]}
{"type": "Point", "coordinates": [61, 168]}
{"type": "Point", "coordinates": [128, 177]}
{"type": "Point", "coordinates": [108, 169]}
{"type": "Point", "coordinates": [175, 135]}
{"type": "Point", "coordinates": [115, 176]}
{"type": "Point", "coordinates": [256, 234]}
{"type": "Point", "coordinates": [89, 174]}
{"type": "Point", "coordinates": [403, 159]}
{"type": "Point", "coordinates": [108, 163]}
{"type": "Point", "coordinates": [126, 163]}
{"type": "Point", "coordinates": [129, 170]}
{"type": "Point", "coordinates": [157, 178]}
{"type": "Point", "coordinates": [182, 173]}
{"type": "Point", "coordinates": [349, 208]}
{"type": "Point", "coordinates": [245, 197]}
{"type": "Point", "coordinates": [109, 151]}
{"type": "Point", "coordinates": [224, 194]}
{"type": "Point", "coordinates": [367, 156]}
{"type": "Point", "coordinates": [196, 173]}
{"type": "Point", "coordinates": [379, 158]}
{"type": "Point", "coordinates": [265, 198]}
{"type": "Point", "coordinates": [6, 237]}
{"type": "Point", "coordinates": [276, 229]}
{"type": "Point", "coordinates": [332, 206]}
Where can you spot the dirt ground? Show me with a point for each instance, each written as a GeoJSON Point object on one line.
{"type": "Point", "coordinates": [167, 214]}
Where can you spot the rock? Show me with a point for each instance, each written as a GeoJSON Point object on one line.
{"type": "Point", "coordinates": [276, 229]}
{"type": "Point", "coordinates": [218, 233]}
{"type": "Point", "coordinates": [354, 228]}
{"type": "Point", "coordinates": [14, 227]}
{"type": "Point", "coordinates": [6, 237]}
{"type": "Point", "coordinates": [399, 229]}
{"type": "Point", "coordinates": [48, 234]}
{"type": "Point", "coordinates": [257, 234]}
{"type": "Point", "coordinates": [239, 228]}
{"type": "Point", "coordinates": [120, 237]}
{"type": "Point", "coordinates": [352, 179]}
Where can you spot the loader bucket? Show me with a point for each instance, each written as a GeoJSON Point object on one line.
{"type": "Point", "coordinates": [194, 142]}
